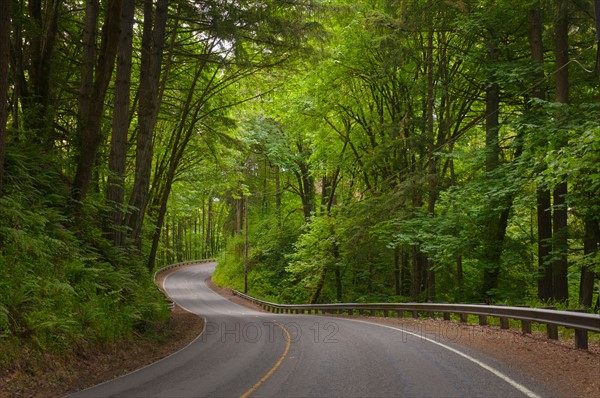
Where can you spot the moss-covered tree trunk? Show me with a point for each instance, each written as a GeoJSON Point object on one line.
{"type": "Point", "coordinates": [4, 63]}
{"type": "Point", "coordinates": [560, 266]}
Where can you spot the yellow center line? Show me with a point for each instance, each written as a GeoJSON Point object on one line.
{"type": "Point", "coordinates": [274, 368]}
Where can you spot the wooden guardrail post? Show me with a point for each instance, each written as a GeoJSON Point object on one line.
{"type": "Point", "coordinates": [525, 326]}
{"type": "Point", "coordinates": [581, 339]}
{"type": "Point", "coordinates": [551, 329]}
{"type": "Point", "coordinates": [581, 336]}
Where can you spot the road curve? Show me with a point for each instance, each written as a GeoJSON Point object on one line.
{"type": "Point", "coordinates": [245, 353]}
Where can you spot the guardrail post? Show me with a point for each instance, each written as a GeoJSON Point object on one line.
{"type": "Point", "coordinates": [581, 336]}
{"type": "Point", "coordinates": [526, 326]}
{"type": "Point", "coordinates": [483, 320]}
{"type": "Point", "coordinates": [551, 330]}
{"type": "Point", "coordinates": [400, 313]}
{"type": "Point", "coordinates": [504, 323]}
{"type": "Point", "coordinates": [372, 312]}
{"type": "Point", "coordinates": [385, 313]}
{"type": "Point", "coordinates": [581, 339]}
{"type": "Point", "coordinates": [463, 317]}
{"type": "Point", "coordinates": [350, 312]}
{"type": "Point", "coordinates": [415, 314]}
{"type": "Point", "coordinates": [446, 316]}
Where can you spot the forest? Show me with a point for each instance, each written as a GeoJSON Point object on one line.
{"type": "Point", "coordinates": [321, 150]}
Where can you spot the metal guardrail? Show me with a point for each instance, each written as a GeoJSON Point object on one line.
{"type": "Point", "coordinates": [582, 323]}
{"type": "Point", "coordinates": [177, 265]}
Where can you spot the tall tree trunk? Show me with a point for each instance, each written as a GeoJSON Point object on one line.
{"type": "Point", "coordinates": [306, 185]}
{"type": "Point", "coordinates": [432, 171]}
{"type": "Point", "coordinates": [405, 276]}
{"type": "Point", "coordinates": [418, 271]}
{"type": "Point", "coordinates": [153, 37]}
{"type": "Point", "coordinates": [88, 57]}
{"type": "Point", "coordinates": [183, 134]}
{"type": "Point", "coordinates": [239, 219]}
{"type": "Point", "coordinates": [5, 14]}
{"type": "Point", "coordinates": [208, 236]}
{"type": "Point", "coordinates": [591, 244]}
{"type": "Point", "coordinates": [397, 286]}
{"type": "Point", "coordinates": [319, 288]}
{"type": "Point", "coordinates": [494, 235]}
{"type": "Point", "coordinates": [179, 246]}
{"type": "Point", "coordinates": [597, 19]}
{"type": "Point", "coordinates": [560, 232]}
{"type": "Point", "coordinates": [278, 194]}
{"type": "Point", "coordinates": [89, 127]}
{"type": "Point", "coordinates": [115, 190]}
{"type": "Point", "coordinates": [460, 278]}
{"type": "Point", "coordinates": [41, 46]}
{"type": "Point", "coordinates": [167, 243]}
{"type": "Point", "coordinates": [544, 211]}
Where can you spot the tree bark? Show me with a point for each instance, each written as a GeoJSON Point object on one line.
{"type": "Point", "coordinates": [397, 286]}
{"type": "Point", "coordinates": [591, 244]}
{"type": "Point", "coordinates": [36, 104]}
{"type": "Point", "coordinates": [405, 276]}
{"type": "Point", "coordinates": [152, 50]}
{"type": "Point", "coordinates": [597, 20]}
{"type": "Point", "coordinates": [543, 197]}
{"type": "Point", "coordinates": [208, 236]}
{"type": "Point", "coordinates": [460, 278]}
{"type": "Point", "coordinates": [115, 190]}
{"type": "Point", "coordinates": [278, 193]}
{"type": "Point", "coordinates": [432, 166]}
{"type": "Point", "coordinates": [560, 232]}
{"type": "Point", "coordinates": [91, 112]}
{"type": "Point", "coordinates": [5, 14]}
{"type": "Point", "coordinates": [495, 227]}
{"type": "Point", "coordinates": [179, 241]}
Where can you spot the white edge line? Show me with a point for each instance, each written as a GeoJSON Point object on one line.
{"type": "Point", "coordinates": [494, 371]}
{"type": "Point", "coordinates": [153, 363]}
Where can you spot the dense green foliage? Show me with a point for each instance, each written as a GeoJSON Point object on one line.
{"type": "Point", "coordinates": [61, 289]}
{"type": "Point", "coordinates": [408, 162]}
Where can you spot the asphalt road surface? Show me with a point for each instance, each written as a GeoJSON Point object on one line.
{"type": "Point", "coordinates": [245, 353]}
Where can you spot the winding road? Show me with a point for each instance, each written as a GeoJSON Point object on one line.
{"type": "Point", "coordinates": [246, 353]}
